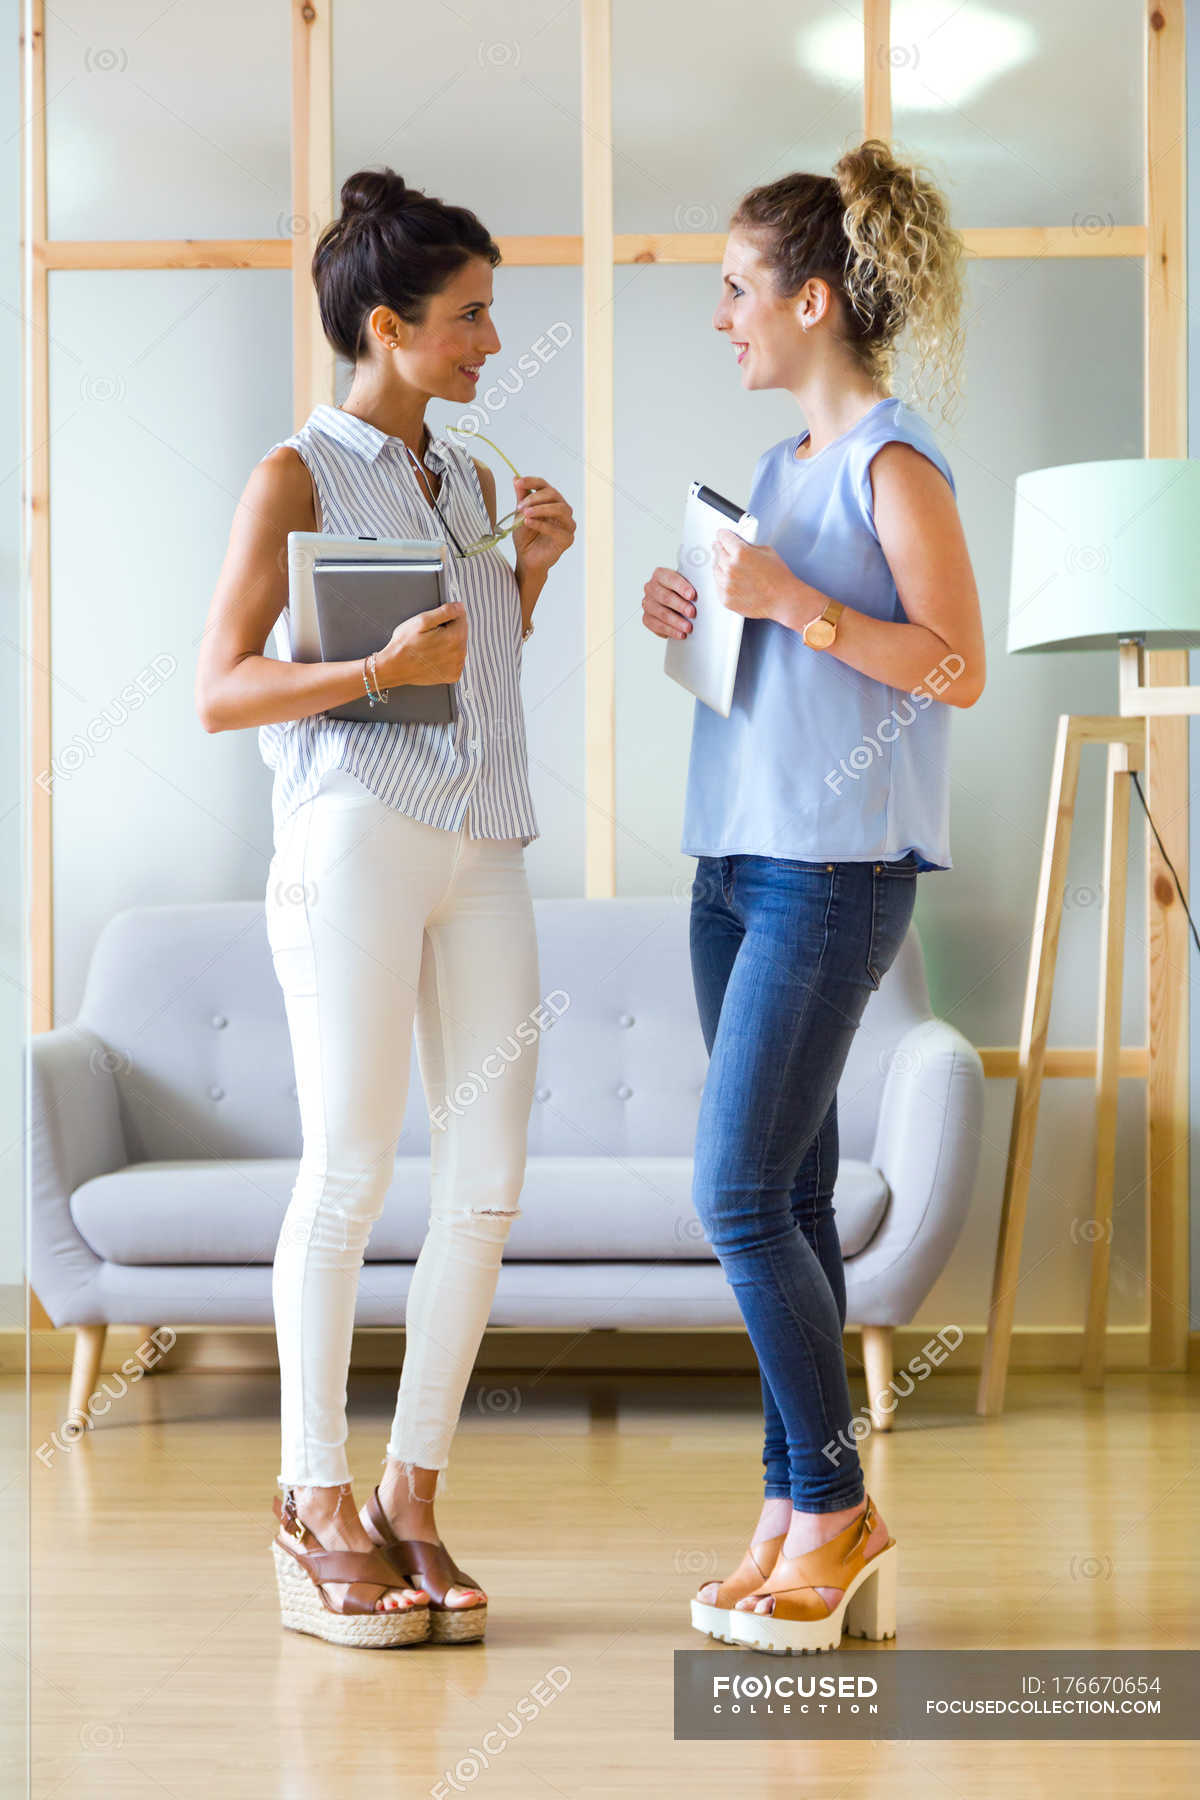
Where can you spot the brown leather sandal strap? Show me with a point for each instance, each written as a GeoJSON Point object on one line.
{"type": "Point", "coordinates": [435, 1568]}
{"type": "Point", "coordinates": [750, 1569]}
{"type": "Point", "coordinates": [347, 1565]}
{"type": "Point", "coordinates": [765, 1544]}
{"type": "Point", "coordinates": [383, 1526]}
{"type": "Point", "coordinates": [823, 1566]}
{"type": "Point", "coordinates": [379, 1519]}
{"type": "Point", "coordinates": [367, 1573]}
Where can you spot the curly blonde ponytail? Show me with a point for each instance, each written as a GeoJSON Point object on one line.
{"type": "Point", "coordinates": [906, 263]}
{"type": "Point", "coordinates": [878, 231]}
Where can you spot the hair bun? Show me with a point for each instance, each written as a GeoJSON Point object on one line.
{"type": "Point", "coordinates": [374, 190]}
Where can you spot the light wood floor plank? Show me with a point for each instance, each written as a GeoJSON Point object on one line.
{"type": "Point", "coordinates": [591, 1508]}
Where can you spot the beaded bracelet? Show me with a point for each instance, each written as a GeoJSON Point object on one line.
{"type": "Point", "coordinates": [377, 694]}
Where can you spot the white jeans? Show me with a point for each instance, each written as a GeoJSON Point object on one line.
{"type": "Point", "coordinates": [375, 919]}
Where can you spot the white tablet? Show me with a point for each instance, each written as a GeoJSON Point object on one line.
{"type": "Point", "coordinates": [705, 661]}
{"type": "Point", "coordinates": [297, 634]}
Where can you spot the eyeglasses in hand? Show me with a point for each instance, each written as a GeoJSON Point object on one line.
{"type": "Point", "coordinates": [503, 528]}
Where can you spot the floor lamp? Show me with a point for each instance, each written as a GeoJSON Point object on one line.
{"type": "Point", "coordinates": [1105, 557]}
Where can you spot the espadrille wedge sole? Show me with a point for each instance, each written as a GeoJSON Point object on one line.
{"type": "Point", "coordinates": [304, 1605]}
{"type": "Point", "coordinates": [427, 1565]}
{"type": "Point", "coordinates": [801, 1623]}
{"type": "Point", "coordinates": [712, 1616]}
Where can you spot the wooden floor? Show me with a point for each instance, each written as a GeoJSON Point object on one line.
{"type": "Point", "coordinates": [591, 1509]}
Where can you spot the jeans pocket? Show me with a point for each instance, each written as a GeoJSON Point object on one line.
{"type": "Point", "coordinates": [892, 904]}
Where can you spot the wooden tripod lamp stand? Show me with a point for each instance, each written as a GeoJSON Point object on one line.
{"type": "Point", "coordinates": [1106, 555]}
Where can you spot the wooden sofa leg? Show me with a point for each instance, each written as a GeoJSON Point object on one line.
{"type": "Point", "coordinates": [877, 1361]}
{"type": "Point", "coordinates": [89, 1348]}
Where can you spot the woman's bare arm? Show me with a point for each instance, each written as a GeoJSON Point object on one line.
{"type": "Point", "coordinates": [237, 685]}
{"type": "Point", "coordinates": [921, 535]}
{"type": "Point", "coordinates": [939, 645]}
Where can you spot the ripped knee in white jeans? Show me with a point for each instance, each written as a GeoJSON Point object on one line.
{"type": "Point", "coordinates": [460, 1214]}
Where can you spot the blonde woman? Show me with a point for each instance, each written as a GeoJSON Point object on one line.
{"type": "Point", "coordinates": [812, 810]}
{"type": "Point", "coordinates": [397, 892]}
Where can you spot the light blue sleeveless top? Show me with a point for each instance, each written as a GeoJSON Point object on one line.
{"type": "Point", "coordinates": [816, 760]}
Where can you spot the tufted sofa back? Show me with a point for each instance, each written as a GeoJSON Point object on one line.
{"type": "Point", "coordinates": [186, 1003]}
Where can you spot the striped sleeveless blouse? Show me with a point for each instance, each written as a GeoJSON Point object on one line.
{"type": "Point", "coordinates": [474, 768]}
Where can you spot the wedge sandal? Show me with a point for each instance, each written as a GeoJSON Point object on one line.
{"type": "Point", "coordinates": [712, 1617]}
{"type": "Point", "coordinates": [801, 1623]}
{"type": "Point", "coordinates": [430, 1566]}
{"type": "Point", "coordinates": [303, 1566]}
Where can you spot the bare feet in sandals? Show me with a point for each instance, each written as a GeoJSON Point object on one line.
{"type": "Point", "coordinates": [332, 1517]}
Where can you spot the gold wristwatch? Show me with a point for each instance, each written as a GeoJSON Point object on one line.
{"type": "Point", "coordinates": [820, 632]}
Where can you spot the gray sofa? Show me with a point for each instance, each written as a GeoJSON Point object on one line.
{"type": "Point", "coordinates": [166, 1137]}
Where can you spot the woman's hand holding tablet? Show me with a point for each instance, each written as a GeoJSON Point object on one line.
{"type": "Point", "coordinates": [429, 648]}
{"type": "Point", "coordinates": [668, 604]}
{"type": "Point", "coordinates": [754, 580]}
{"type": "Point", "coordinates": [703, 632]}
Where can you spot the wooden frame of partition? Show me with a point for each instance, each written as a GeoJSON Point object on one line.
{"type": "Point", "coordinates": [1163, 1060]}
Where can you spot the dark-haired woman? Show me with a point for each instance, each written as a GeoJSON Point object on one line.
{"type": "Point", "coordinates": [811, 810]}
{"type": "Point", "coordinates": [397, 894]}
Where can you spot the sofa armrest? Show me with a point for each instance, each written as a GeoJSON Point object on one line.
{"type": "Point", "coordinates": [76, 1133]}
{"type": "Point", "coordinates": [927, 1147]}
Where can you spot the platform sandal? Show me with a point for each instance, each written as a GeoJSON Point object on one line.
{"type": "Point", "coordinates": [303, 1565]}
{"type": "Point", "coordinates": [430, 1566]}
{"type": "Point", "coordinates": [801, 1623]}
{"type": "Point", "coordinates": [712, 1616]}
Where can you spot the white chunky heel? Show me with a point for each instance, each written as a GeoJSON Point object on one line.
{"type": "Point", "coordinates": [871, 1607]}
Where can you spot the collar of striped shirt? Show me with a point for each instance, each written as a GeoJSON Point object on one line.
{"type": "Point", "coordinates": [367, 440]}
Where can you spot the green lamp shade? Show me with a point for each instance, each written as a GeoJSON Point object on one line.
{"type": "Point", "coordinates": [1106, 550]}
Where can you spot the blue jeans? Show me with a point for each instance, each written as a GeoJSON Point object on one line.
{"type": "Point", "coordinates": [785, 955]}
